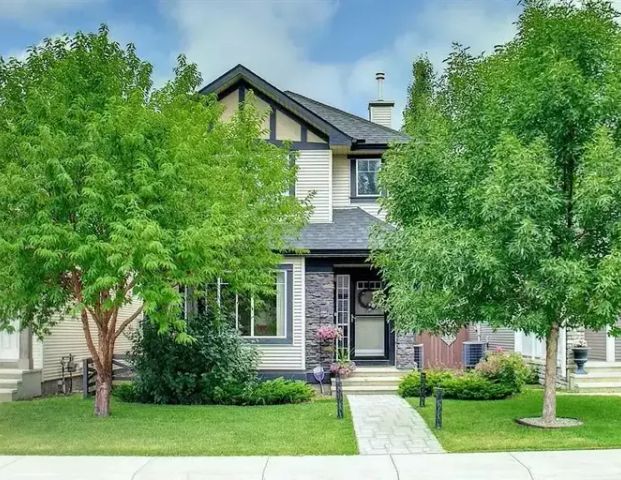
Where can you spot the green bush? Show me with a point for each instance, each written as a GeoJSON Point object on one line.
{"type": "Point", "coordinates": [218, 364]}
{"type": "Point", "coordinates": [508, 369]}
{"type": "Point", "coordinates": [473, 386]}
{"type": "Point", "coordinates": [125, 392]}
{"type": "Point", "coordinates": [410, 384]}
{"type": "Point", "coordinates": [278, 391]}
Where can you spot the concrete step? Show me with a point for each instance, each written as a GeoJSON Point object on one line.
{"type": "Point", "coordinates": [380, 371]}
{"type": "Point", "coordinates": [596, 376]}
{"type": "Point", "coordinates": [8, 394]}
{"type": "Point", "coordinates": [371, 380]}
{"type": "Point", "coordinates": [581, 385]}
{"type": "Point", "coordinates": [7, 373]}
{"type": "Point", "coordinates": [369, 389]}
{"type": "Point", "coordinates": [10, 383]}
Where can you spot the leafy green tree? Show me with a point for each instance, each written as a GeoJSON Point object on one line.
{"type": "Point", "coordinates": [112, 190]}
{"type": "Point", "coordinates": [507, 201]}
{"type": "Point", "coordinates": [419, 92]}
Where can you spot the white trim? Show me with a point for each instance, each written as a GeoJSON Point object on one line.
{"type": "Point", "coordinates": [517, 341]}
{"type": "Point", "coordinates": [562, 353]}
{"type": "Point", "coordinates": [252, 325]}
{"type": "Point", "coordinates": [610, 346]}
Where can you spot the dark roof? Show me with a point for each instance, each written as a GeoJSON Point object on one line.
{"type": "Point", "coordinates": [354, 126]}
{"type": "Point", "coordinates": [240, 73]}
{"type": "Point", "coordinates": [341, 127]}
{"type": "Point", "coordinates": [349, 230]}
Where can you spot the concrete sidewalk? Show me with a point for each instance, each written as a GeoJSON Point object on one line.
{"type": "Point", "coordinates": [568, 465]}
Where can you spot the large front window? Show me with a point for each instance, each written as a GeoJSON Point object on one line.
{"type": "Point", "coordinates": [366, 177]}
{"type": "Point", "coordinates": [266, 316]}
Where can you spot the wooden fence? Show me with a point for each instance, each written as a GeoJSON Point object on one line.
{"type": "Point", "coordinates": [121, 370]}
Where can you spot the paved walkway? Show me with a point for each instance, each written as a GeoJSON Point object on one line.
{"type": "Point", "coordinates": [386, 424]}
{"type": "Point", "coordinates": [581, 465]}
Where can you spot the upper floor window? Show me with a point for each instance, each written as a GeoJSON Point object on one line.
{"type": "Point", "coordinates": [366, 177]}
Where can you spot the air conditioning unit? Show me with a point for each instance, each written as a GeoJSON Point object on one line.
{"type": "Point", "coordinates": [473, 352]}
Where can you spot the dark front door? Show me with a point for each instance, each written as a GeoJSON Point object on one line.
{"type": "Point", "coordinates": [369, 333]}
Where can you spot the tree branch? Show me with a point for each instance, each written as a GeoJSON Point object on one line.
{"type": "Point", "coordinates": [128, 320]}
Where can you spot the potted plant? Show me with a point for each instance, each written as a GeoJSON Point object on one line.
{"type": "Point", "coordinates": [342, 366]}
{"type": "Point", "coordinates": [581, 355]}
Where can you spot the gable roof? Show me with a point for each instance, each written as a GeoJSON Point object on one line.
{"type": "Point", "coordinates": [240, 73]}
{"type": "Point", "coordinates": [356, 127]}
{"type": "Point", "coordinates": [341, 127]}
{"type": "Point", "coordinates": [349, 230]}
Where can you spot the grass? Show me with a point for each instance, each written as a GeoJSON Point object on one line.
{"type": "Point", "coordinates": [487, 426]}
{"type": "Point", "coordinates": [66, 426]}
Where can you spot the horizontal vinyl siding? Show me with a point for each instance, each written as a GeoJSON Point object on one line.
{"type": "Point", "coordinates": [289, 357]}
{"type": "Point", "coordinates": [502, 337]}
{"type": "Point", "coordinates": [315, 176]}
{"type": "Point", "coordinates": [373, 209]}
{"type": "Point", "coordinates": [68, 337]}
{"type": "Point", "coordinates": [597, 343]}
{"type": "Point", "coordinates": [341, 190]}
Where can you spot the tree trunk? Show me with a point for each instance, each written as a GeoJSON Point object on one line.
{"type": "Point", "coordinates": [549, 385]}
{"type": "Point", "coordinates": [103, 388]}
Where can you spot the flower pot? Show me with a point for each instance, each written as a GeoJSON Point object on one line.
{"type": "Point", "coordinates": [581, 355]}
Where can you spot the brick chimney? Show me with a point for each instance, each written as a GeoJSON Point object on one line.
{"type": "Point", "coordinates": [380, 110]}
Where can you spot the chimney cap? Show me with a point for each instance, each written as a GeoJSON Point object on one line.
{"type": "Point", "coordinates": [380, 76]}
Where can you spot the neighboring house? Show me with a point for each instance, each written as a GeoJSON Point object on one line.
{"type": "Point", "coordinates": [30, 367]}
{"type": "Point", "coordinates": [603, 367]}
{"type": "Point", "coordinates": [338, 158]}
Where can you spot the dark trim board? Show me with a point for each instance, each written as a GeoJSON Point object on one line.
{"type": "Point", "coordinates": [240, 73]}
{"type": "Point", "coordinates": [301, 145]}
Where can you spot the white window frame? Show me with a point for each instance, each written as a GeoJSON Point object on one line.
{"type": "Point", "coordinates": [367, 195]}
{"type": "Point", "coordinates": [259, 337]}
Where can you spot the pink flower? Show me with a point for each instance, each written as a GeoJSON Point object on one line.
{"type": "Point", "coordinates": [328, 333]}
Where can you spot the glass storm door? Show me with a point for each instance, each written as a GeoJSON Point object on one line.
{"type": "Point", "coordinates": [369, 322]}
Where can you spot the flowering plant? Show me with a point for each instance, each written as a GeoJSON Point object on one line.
{"type": "Point", "coordinates": [582, 343]}
{"type": "Point", "coordinates": [344, 368]}
{"type": "Point", "coordinates": [328, 333]}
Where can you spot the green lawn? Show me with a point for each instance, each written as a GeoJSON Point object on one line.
{"type": "Point", "coordinates": [484, 426]}
{"type": "Point", "coordinates": [66, 426]}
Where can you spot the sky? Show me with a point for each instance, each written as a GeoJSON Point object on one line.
{"type": "Point", "coordinates": [325, 49]}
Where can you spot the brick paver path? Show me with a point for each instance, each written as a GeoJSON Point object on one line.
{"type": "Point", "coordinates": [386, 424]}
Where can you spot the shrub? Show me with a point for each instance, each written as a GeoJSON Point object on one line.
{"type": "Point", "coordinates": [125, 392]}
{"type": "Point", "coordinates": [474, 386]}
{"type": "Point", "coordinates": [219, 362]}
{"type": "Point", "coordinates": [410, 384]}
{"type": "Point", "coordinates": [278, 391]}
{"type": "Point", "coordinates": [508, 369]}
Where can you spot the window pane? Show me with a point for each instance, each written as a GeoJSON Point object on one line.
{"type": "Point", "coordinates": [270, 312]}
{"type": "Point", "coordinates": [367, 176]}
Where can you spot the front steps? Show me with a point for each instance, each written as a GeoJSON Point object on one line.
{"type": "Point", "coordinates": [373, 381]}
{"type": "Point", "coordinates": [17, 384]}
{"type": "Point", "coordinates": [600, 377]}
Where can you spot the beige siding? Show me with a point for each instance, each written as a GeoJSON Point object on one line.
{"type": "Point", "coordinates": [315, 176]}
{"type": "Point", "coordinates": [381, 115]}
{"type": "Point", "coordinates": [37, 353]}
{"type": "Point", "coordinates": [597, 343]}
{"type": "Point", "coordinates": [501, 337]}
{"type": "Point", "coordinates": [289, 357]}
{"type": "Point", "coordinates": [311, 137]}
{"type": "Point", "coordinates": [230, 104]}
{"type": "Point", "coordinates": [287, 128]}
{"type": "Point", "coordinates": [68, 337]}
{"type": "Point", "coordinates": [264, 110]}
{"type": "Point", "coordinates": [341, 190]}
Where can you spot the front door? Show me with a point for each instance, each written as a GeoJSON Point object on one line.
{"type": "Point", "coordinates": [369, 330]}
{"type": "Point", "coordinates": [9, 345]}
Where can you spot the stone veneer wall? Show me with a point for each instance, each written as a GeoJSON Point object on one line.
{"type": "Point", "coordinates": [404, 350]}
{"type": "Point", "coordinates": [319, 311]}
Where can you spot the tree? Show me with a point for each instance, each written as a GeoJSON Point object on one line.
{"type": "Point", "coordinates": [112, 190]}
{"type": "Point", "coordinates": [507, 200]}
{"type": "Point", "coordinates": [419, 92]}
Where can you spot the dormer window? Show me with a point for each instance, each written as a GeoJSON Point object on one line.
{"type": "Point", "coordinates": [366, 172]}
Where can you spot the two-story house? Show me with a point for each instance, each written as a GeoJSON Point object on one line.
{"type": "Point", "coordinates": [338, 159]}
